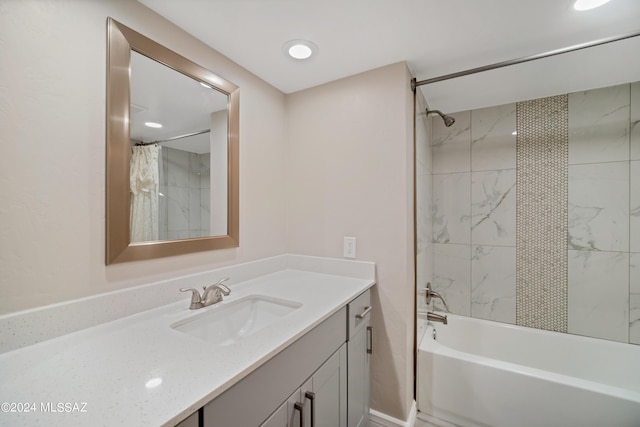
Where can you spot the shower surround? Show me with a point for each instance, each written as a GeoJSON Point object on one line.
{"type": "Point", "coordinates": [536, 220]}
{"type": "Point", "coordinates": [185, 195]}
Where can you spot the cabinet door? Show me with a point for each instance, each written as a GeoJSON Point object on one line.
{"type": "Point", "coordinates": [288, 414]}
{"type": "Point", "coordinates": [191, 421]}
{"type": "Point", "coordinates": [278, 419]}
{"type": "Point", "coordinates": [359, 349]}
{"type": "Point", "coordinates": [296, 410]}
{"type": "Point", "coordinates": [358, 360]}
{"type": "Point", "coordinates": [325, 393]}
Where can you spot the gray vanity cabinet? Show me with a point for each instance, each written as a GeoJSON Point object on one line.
{"type": "Point", "coordinates": [284, 414]}
{"type": "Point", "coordinates": [191, 421]}
{"type": "Point", "coordinates": [329, 388]}
{"type": "Point", "coordinates": [359, 350]}
{"type": "Point", "coordinates": [322, 378]}
{"type": "Point", "coordinates": [255, 398]}
{"type": "Point", "coordinates": [322, 399]}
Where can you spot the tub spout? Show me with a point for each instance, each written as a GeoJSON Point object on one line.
{"type": "Point", "coordinates": [434, 317]}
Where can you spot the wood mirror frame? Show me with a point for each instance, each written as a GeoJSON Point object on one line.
{"type": "Point", "coordinates": [119, 248]}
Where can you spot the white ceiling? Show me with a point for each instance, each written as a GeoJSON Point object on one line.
{"type": "Point", "coordinates": [434, 37]}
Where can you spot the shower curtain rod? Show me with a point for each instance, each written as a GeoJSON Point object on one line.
{"type": "Point", "coordinates": [173, 138]}
{"type": "Point", "coordinates": [415, 83]}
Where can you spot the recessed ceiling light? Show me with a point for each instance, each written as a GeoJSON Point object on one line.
{"type": "Point", "coordinates": [300, 49]}
{"type": "Point", "coordinates": [588, 4]}
{"type": "Point", "coordinates": [153, 124]}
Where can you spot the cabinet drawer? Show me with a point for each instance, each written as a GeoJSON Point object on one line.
{"type": "Point", "coordinates": [359, 312]}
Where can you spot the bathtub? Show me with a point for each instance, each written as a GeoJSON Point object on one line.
{"type": "Point", "coordinates": [482, 373]}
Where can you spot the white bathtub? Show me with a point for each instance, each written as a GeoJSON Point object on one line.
{"type": "Point", "coordinates": [481, 373]}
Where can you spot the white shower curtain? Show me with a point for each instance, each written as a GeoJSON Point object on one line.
{"type": "Point", "coordinates": [144, 181]}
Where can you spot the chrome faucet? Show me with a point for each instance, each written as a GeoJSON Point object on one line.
{"type": "Point", "coordinates": [435, 317]}
{"type": "Point", "coordinates": [212, 294]}
{"type": "Point", "coordinates": [429, 294]}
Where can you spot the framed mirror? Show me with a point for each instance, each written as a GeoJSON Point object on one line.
{"type": "Point", "coordinates": [172, 152]}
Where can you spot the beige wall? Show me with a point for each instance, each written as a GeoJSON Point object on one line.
{"type": "Point", "coordinates": [52, 153]}
{"type": "Point", "coordinates": [350, 173]}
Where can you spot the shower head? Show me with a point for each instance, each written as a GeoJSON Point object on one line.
{"type": "Point", "coordinates": [448, 120]}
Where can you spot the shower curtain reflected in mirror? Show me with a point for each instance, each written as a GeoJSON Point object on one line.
{"type": "Point", "coordinates": [144, 181]}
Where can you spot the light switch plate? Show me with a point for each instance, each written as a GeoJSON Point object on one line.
{"type": "Point", "coordinates": [349, 247]}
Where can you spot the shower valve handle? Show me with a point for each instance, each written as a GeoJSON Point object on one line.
{"type": "Point", "coordinates": [429, 293]}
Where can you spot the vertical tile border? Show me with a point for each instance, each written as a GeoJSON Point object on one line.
{"type": "Point", "coordinates": [542, 193]}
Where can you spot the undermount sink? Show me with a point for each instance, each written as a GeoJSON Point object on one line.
{"type": "Point", "coordinates": [228, 323]}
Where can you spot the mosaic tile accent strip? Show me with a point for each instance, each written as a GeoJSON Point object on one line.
{"type": "Point", "coordinates": [542, 159]}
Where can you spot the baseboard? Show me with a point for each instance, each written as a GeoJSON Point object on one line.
{"type": "Point", "coordinates": [434, 422]}
{"type": "Point", "coordinates": [378, 419]}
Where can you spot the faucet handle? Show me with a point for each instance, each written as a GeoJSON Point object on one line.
{"type": "Point", "coordinates": [219, 285]}
{"type": "Point", "coordinates": [430, 293]}
{"type": "Point", "coordinates": [225, 290]}
{"type": "Point", "coordinates": [196, 300]}
{"type": "Point", "coordinates": [221, 281]}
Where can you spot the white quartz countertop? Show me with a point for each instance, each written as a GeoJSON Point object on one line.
{"type": "Point", "coordinates": [139, 371]}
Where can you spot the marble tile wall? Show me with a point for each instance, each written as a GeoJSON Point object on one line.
{"type": "Point", "coordinates": [634, 298]}
{"type": "Point", "coordinates": [184, 204]}
{"type": "Point", "coordinates": [599, 213]}
{"type": "Point", "coordinates": [474, 215]}
{"type": "Point", "coordinates": [424, 197]}
{"type": "Point", "coordinates": [474, 218]}
{"type": "Point", "coordinates": [634, 214]}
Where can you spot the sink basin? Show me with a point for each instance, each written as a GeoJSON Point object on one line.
{"type": "Point", "coordinates": [227, 324]}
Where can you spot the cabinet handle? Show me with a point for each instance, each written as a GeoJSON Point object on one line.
{"type": "Point", "coordinates": [300, 407]}
{"type": "Point", "coordinates": [370, 340]}
{"type": "Point", "coordinates": [312, 397]}
{"type": "Point", "coordinates": [364, 313]}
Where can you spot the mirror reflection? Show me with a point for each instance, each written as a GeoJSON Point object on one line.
{"type": "Point", "coordinates": [172, 145]}
{"type": "Point", "coordinates": [178, 155]}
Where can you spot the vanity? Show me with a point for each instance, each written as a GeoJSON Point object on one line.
{"type": "Point", "coordinates": [311, 382]}
{"type": "Point", "coordinates": [290, 346]}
